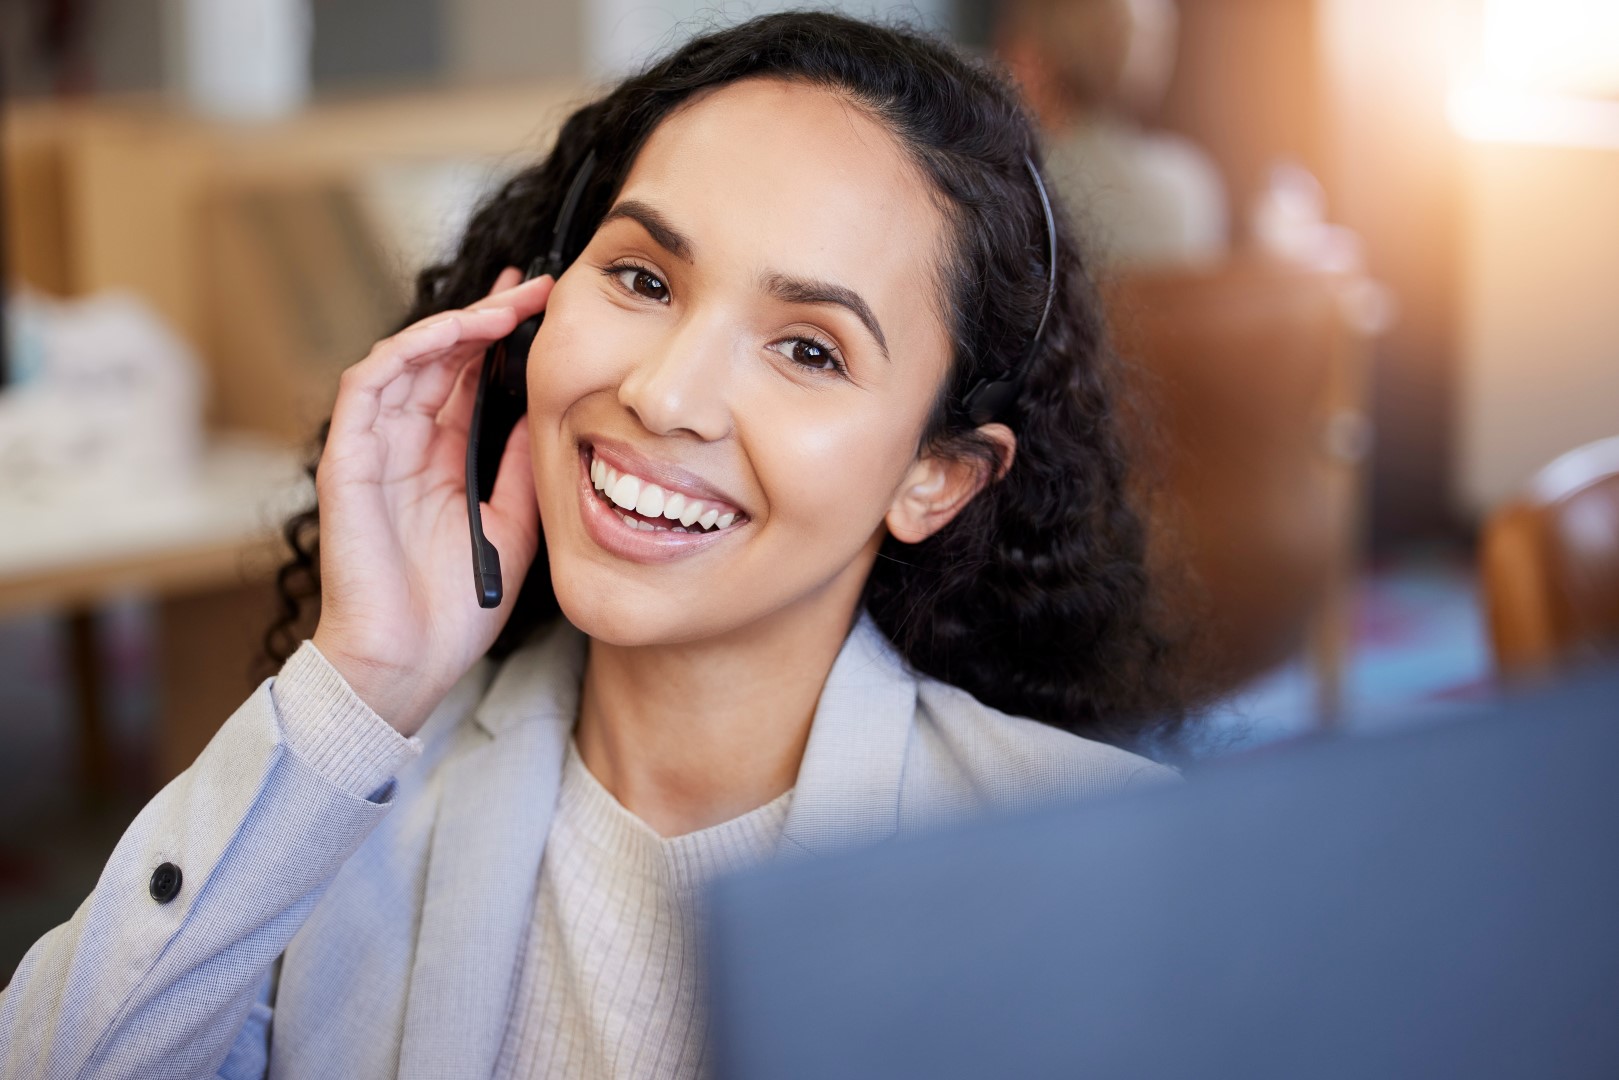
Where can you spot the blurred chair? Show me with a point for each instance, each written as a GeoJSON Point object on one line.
{"type": "Point", "coordinates": [1550, 564]}
{"type": "Point", "coordinates": [1251, 382]}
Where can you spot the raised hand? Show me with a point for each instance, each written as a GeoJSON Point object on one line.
{"type": "Point", "coordinates": [399, 618]}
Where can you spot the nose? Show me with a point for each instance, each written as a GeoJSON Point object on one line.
{"type": "Point", "coordinates": [678, 385]}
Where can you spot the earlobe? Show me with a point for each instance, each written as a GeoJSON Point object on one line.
{"type": "Point", "coordinates": [937, 488]}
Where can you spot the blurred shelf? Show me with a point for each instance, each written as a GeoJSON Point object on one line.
{"type": "Point", "coordinates": [250, 240]}
{"type": "Point", "coordinates": [79, 549]}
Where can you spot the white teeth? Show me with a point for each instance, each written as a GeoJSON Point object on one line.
{"type": "Point", "coordinates": [626, 491]}
{"type": "Point", "coordinates": [650, 502]}
{"type": "Point", "coordinates": [643, 526]}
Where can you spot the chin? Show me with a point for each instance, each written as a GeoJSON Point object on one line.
{"type": "Point", "coordinates": [615, 613]}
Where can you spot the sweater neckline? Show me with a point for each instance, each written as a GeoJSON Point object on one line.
{"type": "Point", "coordinates": [687, 860]}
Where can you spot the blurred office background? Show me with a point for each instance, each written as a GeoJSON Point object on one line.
{"type": "Point", "coordinates": [1357, 253]}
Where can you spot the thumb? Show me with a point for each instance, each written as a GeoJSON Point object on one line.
{"type": "Point", "coordinates": [513, 501]}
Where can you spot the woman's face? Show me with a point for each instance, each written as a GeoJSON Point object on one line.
{"type": "Point", "coordinates": [751, 342]}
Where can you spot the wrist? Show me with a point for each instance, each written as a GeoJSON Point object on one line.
{"type": "Point", "coordinates": [332, 730]}
{"type": "Point", "coordinates": [400, 696]}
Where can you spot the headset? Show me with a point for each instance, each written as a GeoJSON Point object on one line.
{"type": "Point", "coordinates": [992, 399]}
{"type": "Point", "coordinates": [503, 396]}
{"type": "Point", "coordinates": [503, 384]}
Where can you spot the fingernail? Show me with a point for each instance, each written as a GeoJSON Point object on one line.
{"type": "Point", "coordinates": [440, 321]}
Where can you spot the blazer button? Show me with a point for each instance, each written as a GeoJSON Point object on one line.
{"type": "Point", "coordinates": [165, 883]}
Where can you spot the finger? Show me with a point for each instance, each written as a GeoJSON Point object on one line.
{"type": "Point", "coordinates": [431, 373]}
{"type": "Point", "coordinates": [505, 280]}
{"type": "Point", "coordinates": [456, 415]}
{"type": "Point", "coordinates": [509, 290]}
{"type": "Point", "coordinates": [427, 380]}
{"type": "Point", "coordinates": [455, 337]}
{"type": "Point", "coordinates": [527, 297]}
{"type": "Point", "coordinates": [437, 383]}
{"type": "Point", "coordinates": [452, 339]}
{"type": "Point", "coordinates": [463, 329]}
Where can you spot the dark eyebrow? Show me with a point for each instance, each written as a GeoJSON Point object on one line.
{"type": "Point", "coordinates": [784, 287]}
{"type": "Point", "coordinates": [795, 290]}
{"type": "Point", "coordinates": [657, 226]}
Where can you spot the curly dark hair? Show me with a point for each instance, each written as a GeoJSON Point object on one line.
{"type": "Point", "coordinates": [1034, 598]}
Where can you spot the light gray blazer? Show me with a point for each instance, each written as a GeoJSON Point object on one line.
{"type": "Point", "coordinates": [398, 905]}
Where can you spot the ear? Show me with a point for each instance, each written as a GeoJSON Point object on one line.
{"type": "Point", "coordinates": [936, 487]}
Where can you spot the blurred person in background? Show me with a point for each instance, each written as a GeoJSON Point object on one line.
{"type": "Point", "coordinates": [792, 580]}
{"type": "Point", "coordinates": [1090, 70]}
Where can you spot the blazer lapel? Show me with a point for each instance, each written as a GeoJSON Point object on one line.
{"type": "Point", "coordinates": [495, 805]}
{"type": "Point", "coordinates": [848, 786]}
{"type": "Point", "coordinates": [496, 800]}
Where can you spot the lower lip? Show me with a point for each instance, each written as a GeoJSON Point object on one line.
{"type": "Point", "coordinates": [638, 545]}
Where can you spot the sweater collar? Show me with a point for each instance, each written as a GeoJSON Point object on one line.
{"type": "Point", "coordinates": [847, 791]}
{"type": "Point", "coordinates": [497, 799]}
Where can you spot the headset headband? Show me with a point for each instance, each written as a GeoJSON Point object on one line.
{"type": "Point", "coordinates": [992, 399]}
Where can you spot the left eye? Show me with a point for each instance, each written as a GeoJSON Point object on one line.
{"type": "Point", "coordinates": [809, 353]}
{"type": "Point", "coordinates": [642, 282]}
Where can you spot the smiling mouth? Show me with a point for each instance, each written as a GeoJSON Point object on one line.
{"type": "Point", "coordinates": [645, 506]}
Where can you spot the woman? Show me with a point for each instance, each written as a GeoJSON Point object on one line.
{"type": "Point", "coordinates": [808, 241]}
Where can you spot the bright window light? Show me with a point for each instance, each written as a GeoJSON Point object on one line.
{"type": "Point", "coordinates": [1553, 46]}
{"type": "Point", "coordinates": [1547, 71]}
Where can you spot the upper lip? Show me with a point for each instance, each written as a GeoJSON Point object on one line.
{"type": "Point", "coordinates": [670, 477]}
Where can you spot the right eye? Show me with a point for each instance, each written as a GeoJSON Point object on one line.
{"type": "Point", "coordinates": [639, 281]}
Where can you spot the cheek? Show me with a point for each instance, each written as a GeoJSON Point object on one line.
{"type": "Point", "coordinates": [831, 471]}
{"type": "Point", "coordinates": [568, 361]}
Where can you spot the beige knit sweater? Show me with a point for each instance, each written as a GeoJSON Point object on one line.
{"type": "Point", "coordinates": [609, 983]}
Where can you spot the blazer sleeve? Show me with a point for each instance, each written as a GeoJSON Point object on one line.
{"type": "Point", "coordinates": [165, 969]}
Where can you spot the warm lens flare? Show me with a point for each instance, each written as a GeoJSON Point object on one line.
{"type": "Point", "coordinates": [1568, 47]}
{"type": "Point", "coordinates": [1547, 71]}
{"type": "Point", "coordinates": [1486, 112]}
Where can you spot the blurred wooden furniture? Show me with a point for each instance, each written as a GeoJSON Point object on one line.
{"type": "Point", "coordinates": [1550, 565]}
{"type": "Point", "coordinates": [248, 238]}
{"type": "Point", "coordinates": [1252, 430]}
{"type": "Point", "coordinates": [207, 553]}
{"type": "Point", "coordinates": [251, 241]}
